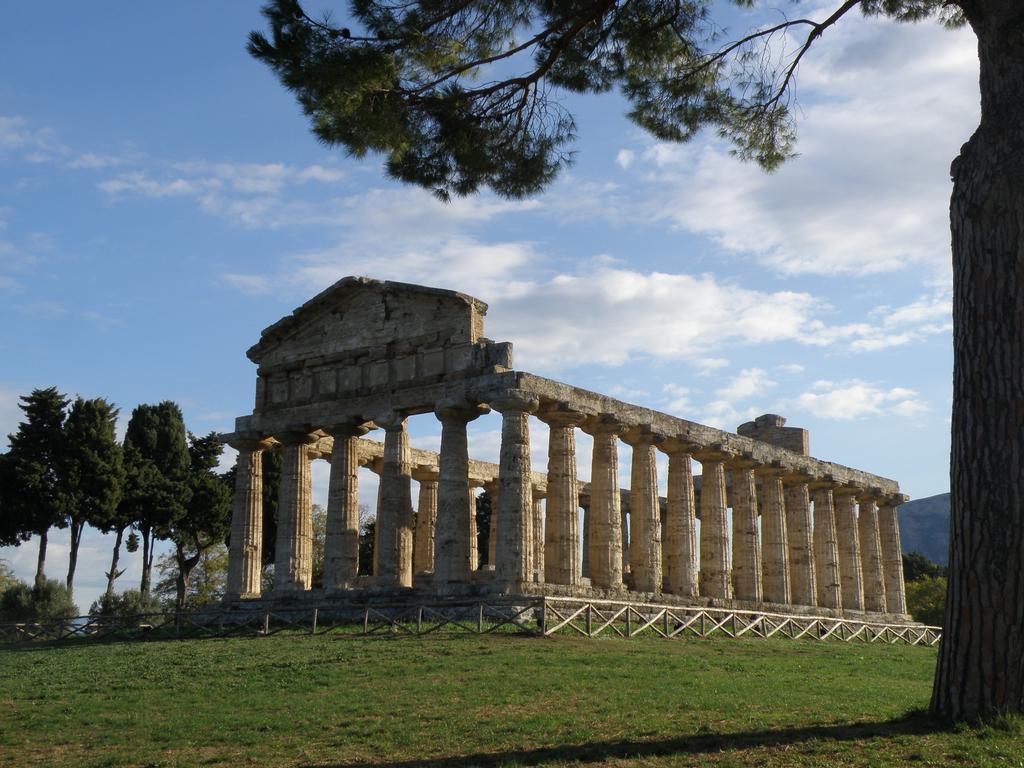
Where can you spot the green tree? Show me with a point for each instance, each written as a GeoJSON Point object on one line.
{"type": "Point", "coordinates": [33, 495]}
{"type": "Point", "coordinates": [319, 516]}
{"type": "Point", "coordinates": [464, 94]}
{"type": "Point", "coordinates": [367, 538]}
{"type": "Point", "coordinates": [92, 472]}
{"type": "Point", "coordinates": [7, 577]}
{"type": "Point", "coordinates": [47, 599]}
{"type": "Point", "coordinates": [926, 598]}
{"type": "Point", "coordinates": [205, 519]}
{"type": "Point", "coordinates": [483, 527]}
{"type": "Point", "coordinates": [206, 582]}
{"type": "Point", "coordinates": [157, 464]}
{"type": "Point", "coordinates": [916, 566]}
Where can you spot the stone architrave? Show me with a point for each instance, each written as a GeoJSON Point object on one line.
{"type": "Point", "coordinates": [394, 518]}
{"type": "Point", "coordinates": [561, 553]}
{"type": "Point", "coordinates": [746, 543]}
{"type": "Point", "coordinates": [537, 548]}
{"type": "Point", "coordinates": [341, 541]}
{"type": "Point", "coordinates": [455, 529]}
{"type": "Point", "coordinates": [892, 554]}
{"type": "Point", "coordinates": [679, 532]}
{"type": "Point", "coordinates": [604, 555]}
{"type": "Point", "coordinates": [774, 541]}
{"type": "Point", "coordinates": [426, 520]}
{"type": "Point", "coordinates": [245, 558]}
{"type": "Point", "coordinates": [802, 578]}
{"type": "Point", "coordinates": [515, 489]}
{"type": "Point", "coordinates": [871, 554]}
{"type": "Point", "coordinates": [848, 541]}
{"type": "Point", "coordinates": [293, 561]}
{"type": "Point", "coordinates": [715, 581]}
{"type": "Point", "coordinates": [826, 549]}
{"type": "Point", "coordinates": [644, 512]}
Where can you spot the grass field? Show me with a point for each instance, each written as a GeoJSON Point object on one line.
{"type": "Point", "coordinates": [479, 700]}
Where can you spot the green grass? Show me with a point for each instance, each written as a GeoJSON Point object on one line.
{"type": "Point", "coordinates": [492, 700]}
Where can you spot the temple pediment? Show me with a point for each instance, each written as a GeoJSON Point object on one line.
{"type": "Point", "coordinates": [363, 334]}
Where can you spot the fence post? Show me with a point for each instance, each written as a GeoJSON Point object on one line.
{"type": "Point", "coordinates": [316, 615]}
{"type": "Point", "coordinates": [480, 619]}
{"type": "Point", "coordinates": [543, 617]}
{"type": "Point", "coordinates": [366, 621]}
{"type": "Point", "coordinates": [419, 619]}
{"type": "Point", "coordinates": [629, 622]}
{"type": "Point", "coordinates": [266, 623]}
{"type": "Point", "coordinates": [590, 621]}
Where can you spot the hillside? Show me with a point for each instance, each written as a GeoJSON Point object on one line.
{"type": "Point", "coordinates": [924, 527]}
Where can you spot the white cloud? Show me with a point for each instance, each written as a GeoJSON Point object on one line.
{"type": "Point", "coordinates": [625, 158]}
{"type": "Point", "coordinates": [869, 192]}
{"type": "Point", "coordinates": [748, 382]}
{"type": "Point", "coordinates": [856, 399]}
{"type": "Point", "coordinates": [791, 369]}
{"type": "Point", "coordinates": [677, 399]}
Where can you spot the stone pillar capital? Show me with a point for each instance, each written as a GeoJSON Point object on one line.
{"type": "Point", "coordinates": [716, 452]}
{"type": "Point", "coordinates": [845, 490]}
{"type": "Point", "coordinates": [425, 474]}
{"type": "Point", "coordinates": [560, 415]}
{"type": "Point", "coordinates": [296, 437]}
{"type": "Point", "coordinates": [869, 496]}
{"type": "Point", "coordinates": [742, 461]}
{"type": "Point", "coordinates": [639, 434]}
{"type": "Point", "coordinates": [793, 477]}
{"type": "Point", "coordinates": [894, 500]}
{"type": "Point", "coordinates": [459, 411]}
{"type": "Point", "coordinates": [375, 465]}
{"type": "Point", "coordinates": [823, 483]}
{"type": "Point", "coordinates": [248, 441]}
{"type": "Point", "coordinates": [674, 445]}
{"type": "Point", "coordinates": [515, 401]}
{"type": "Point", "coordinates": [344, 429]}
{"type": "Point", "coordinates": [391, 421]}
{"type": "Point", "coordinates": [602, 424]}
{"type": "Point", "coordinates": [775, 469]}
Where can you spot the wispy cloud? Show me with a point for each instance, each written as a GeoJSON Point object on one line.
{"type": "Point", "coordinates": [856, 399]}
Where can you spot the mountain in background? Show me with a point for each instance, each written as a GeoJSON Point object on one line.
{"type": "Point", "coordinates": [924, 527]}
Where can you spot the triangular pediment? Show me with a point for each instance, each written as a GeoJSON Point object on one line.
{"type": "Point", "coordinates": [360, 314]}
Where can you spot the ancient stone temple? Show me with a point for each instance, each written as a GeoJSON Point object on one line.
{"type": "Point", "coordinates": [358, 360]}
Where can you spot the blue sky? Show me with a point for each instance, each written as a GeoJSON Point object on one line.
{"type": "Point", "coordinates": [162, 200]}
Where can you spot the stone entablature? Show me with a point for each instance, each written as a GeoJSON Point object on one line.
{"type": "Point", "coordinates": [367, 354]}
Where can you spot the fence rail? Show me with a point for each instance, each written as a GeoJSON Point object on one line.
{"type": "Point", "coordinates": [536, 616]}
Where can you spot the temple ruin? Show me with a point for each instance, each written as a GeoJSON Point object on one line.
{"type": "Point", "coordinates": [365, 355]}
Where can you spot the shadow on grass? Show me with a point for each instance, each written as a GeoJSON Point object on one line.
{"type": "Point", "coordinates": [916, 722]}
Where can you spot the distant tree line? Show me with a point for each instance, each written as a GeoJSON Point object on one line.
{"type": "Point", "coordinates": [65, 469]}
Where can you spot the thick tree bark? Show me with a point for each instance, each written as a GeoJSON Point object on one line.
{"type": "Point", "coordinates": [76, 529]}
{"type": "Point", "coordinates": [980, 671]}
{"type": "Point", "coordinates": [113, 573]}
{"type": "Point", "coordinates": [185, 567]}
{"type": "Point", "coordinates": [41, 559]}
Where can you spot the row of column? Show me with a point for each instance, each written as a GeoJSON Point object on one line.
{"type": "Point", "coordinates": [826, 553]}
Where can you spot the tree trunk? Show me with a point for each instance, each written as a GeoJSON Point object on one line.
{"type": "Point", "coordinates": [77, 526]}
{"type": "Point", "coordinates": [979, 672]}
{"type": "Point", "coordinates": [41, 560]}
{"type": "Point", "coordinates": [147, 560]}
{"type": "Point", "coordinates": [113, 573]}
{"type": "Point", "coordinates": [185, 566]}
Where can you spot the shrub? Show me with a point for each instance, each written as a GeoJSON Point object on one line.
{"type": "Point", "coordinates": [926, 599]}
{"type": "Point", "coordinates": [49, 600]}
{"type": "Point", "coordinates": [128, 603]}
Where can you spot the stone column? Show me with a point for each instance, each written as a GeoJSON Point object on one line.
{"type": "Point", "coordinates": [293, 561]}
{"type": "Point", "coordinates": [537, 548]}
{"type": "Point", "coordinates": [585, 538]}
{"type": "Point", "coordinates": [848, 542]}
{"type": "Point", "coordinates": [645, 515]}
{"type": "Point", "coordinates": [871, 554]}
{"type": "Point", "coordinates": [426, 520]}
{"type": "Point", "coordinates": [826, 550]}
{"type": "Point", "coordinates": [341, 541]}
{"type": "Point", "coordinates": [491, 489]}
{"type": "Point", "coordinates": [714, 533]}
{"type": "Point", "coordinates": [625, 526]}
{"type": "Point", "coordinates": [774, 541]}
{"type": "Point", "coordinates": [680, 545]}
{"type": "Point", "coordinates": [561, 531]}
{"type": "Point", "coordinates": [604, 553]}
{"type": "Point", "coordinates": [892, 554]}
{"type": "Point", "coordinates": [245, 555]}
{"type": "Point", "coordinates": [455, 530]}
{"type": "Point", "coordinates": [474, 538]}
{"type": "Point", "coordinates": [802, 581]}
{"type": "Point", "coordinates": [515, 490]}
{"type": "Point", "coordinates": [394, 519]}
{"type": "Point", "coordinates": [746, 543]}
